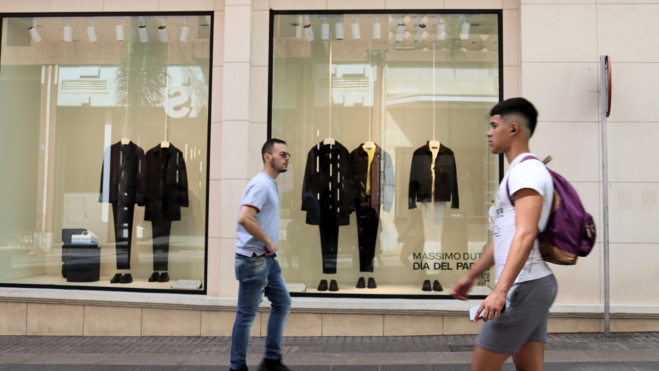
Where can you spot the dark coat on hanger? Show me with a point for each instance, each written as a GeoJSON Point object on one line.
{"type": "Point", "coordinates": [446, 180]}
{"type": "Point", "coordinates": [126, 174]}
{"type": "Point", "coordinates": [166, 184]}
{"type": "Point", "coordinates": [328, 178]}
{"type": "Point", "coordinates": [382, 178]}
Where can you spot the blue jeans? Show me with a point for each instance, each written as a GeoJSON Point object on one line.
{"type": "Point", "coordinates": [258, 275]}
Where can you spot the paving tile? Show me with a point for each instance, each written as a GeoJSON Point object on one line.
{"type": "Point", "coordinates": [161, 368]}
{"type": "Point", "coordinates": [310, 368]}
{"type": "Point", "coordinates": [452, 367]}
{"type": "Point", "coordinates": [24, 367]}
{"type": "Point", "coordinates": [562, 366]}
{"type": "Point", "coordinates": [605, 366]}
{"type": "Point", "coordinates": [355, 368]}
{"type": "Point", "coordinates": [644, 366]}
{"type": "Point", "coordinates": [405, 368]}
{"type": "Point", "coordinates": [114, 368]}
{"type": "Point", "coordinates": [69, 368]}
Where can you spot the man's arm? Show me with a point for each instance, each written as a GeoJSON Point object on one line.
{"type": "Point", "coordinates": [462, 286]}
{"type": "Point", "coordinates": [528, 205]}
{"type": "Point", "coordinates": [247, 219]}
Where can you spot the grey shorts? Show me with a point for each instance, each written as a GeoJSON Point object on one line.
{"type": "Point", "coordinates": [525, 318]}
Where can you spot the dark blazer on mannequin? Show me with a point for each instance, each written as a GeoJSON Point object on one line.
{"type": "Point", "coordinates": [382, 178]}
{"type": "Point", "coordinates": [126, 174]}
{"type": "Point", "coordinates": [446, 179]}
{"type": "Point", "coordinates": [166, 184]}
{"type": "Point", "coordinates": [328, 173]}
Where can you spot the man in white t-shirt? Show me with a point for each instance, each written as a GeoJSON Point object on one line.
{"type": "Point", "coordinates": [525, 286]}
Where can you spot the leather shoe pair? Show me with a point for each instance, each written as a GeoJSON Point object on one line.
{"type": "Point", "coordinates": [244, 368]}
{"type": "Point", "coordinates": [162, 277]}
{"type": "Point", "coordinates": [333, 286]}
{"type": "Point", "coordinates": [273, 364]}
{"type": "Point", "coordinates": [119, 278]}
{"type": "Point", "coordinates": [362, 284]}
{"type": "Point", "coordinates": [436, 286]}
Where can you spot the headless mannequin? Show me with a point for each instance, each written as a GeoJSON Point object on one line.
{"type": "Point", "coordinates": [433, 213]}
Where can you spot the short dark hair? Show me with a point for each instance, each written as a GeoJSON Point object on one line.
{"type": "Point", "coordinates": [519, 106]}
{"type": "Point", "coordinates": [269, 144]}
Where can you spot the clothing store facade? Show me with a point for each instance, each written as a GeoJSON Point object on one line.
{"type": "Point", "coordinates": [134, 127]}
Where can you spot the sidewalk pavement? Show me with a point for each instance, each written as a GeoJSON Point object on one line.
{"type": "Point", "coordinates": [565, 352]}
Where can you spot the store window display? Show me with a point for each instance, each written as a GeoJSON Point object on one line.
{"type": "Point", "coordinates": [123, 96]}
{"type": "Point", "coordinates": [388, 113]}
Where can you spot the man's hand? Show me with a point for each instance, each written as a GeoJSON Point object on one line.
{"type": "Point", "coordinates": [460, 289]}
{"type": "Point", "coordinates": [272, 248]}
{"type": "Point", "coordinates": [491, 306]}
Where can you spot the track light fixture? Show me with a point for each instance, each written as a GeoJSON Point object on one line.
{"type": "Point", "coordinates": [185, 31]}
{"type": "Point", "coordinates": [355, 29]}
{"type": "Point", "coordinates": [142, 31]}
{"type": "Point", "coordinates": [33, 32]}
{"type": "Point", "coordinates": [464, 34]}
{"type": "Point", "coordinates": [400, 30]}
{"type": "Point", "coordinates": [91, 32]}
{"type": "Point", "coordinates": [377, 29]}
{"type": "Point", "coordinates": [68, 32]}
{"type": "Point", "coordinates": [120, 30]}
{"type": "Point", "coordinates": [420, 31]}
{"type": "Point", "coordinates": [324, 29]}
{"type": "Point", "coordinates": [338, 28]}
{"type": "Point", "coordinates": [162, 30]}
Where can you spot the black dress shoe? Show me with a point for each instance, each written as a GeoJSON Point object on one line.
{"type": "Point", "coordinates": [154, 277]}
{"type": "Point", "coordinates": [426, 286]}
{"type": "Point", "coordinates": [116, 278]}
{"type": "Point", "coordinates": [244, 368]}
{"type": "Point", "coordinates": [164, 277]}
{"type": "Point", "coordinates": [436, 286]}
{"type": "Point", "coordinates": [127, 278]}
{"type": "Point", "coordinates": [322, 286]}
{"type": "Point", "coordinates": [361, 283]}
{"type": "Point", "coordinates": [272, 365]}
{"type": "Point", "coordinates": [334, 286]}
{"type": "Point", "coordinates": [372, 284]}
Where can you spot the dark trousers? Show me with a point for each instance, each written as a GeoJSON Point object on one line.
{"type": "Point", "coordinates": [367, 235]}
{"type": "Point", "coordinates": [123, 231]}
{"type": "Point", "coordinates": [161, 232]}
{"type": "Point", "coordinates": [329, 234]}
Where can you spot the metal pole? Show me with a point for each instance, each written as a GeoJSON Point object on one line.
{"type": "Point", "coordinates": [604, 103]}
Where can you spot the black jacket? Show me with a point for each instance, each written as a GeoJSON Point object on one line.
{"type": "Point", "coordinates": [328, 177]}
{"type": "Point", "coordinates": [446, 180]}
{"type": "Point", "coordinates": [126, 174]}
{"type": "Point", "coordinates": [382, 178]}
{"type": "Point", "coordinates": [166, 184]}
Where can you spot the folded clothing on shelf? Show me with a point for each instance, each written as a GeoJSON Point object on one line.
{"type": "Point", "coordinates": [85, 238]}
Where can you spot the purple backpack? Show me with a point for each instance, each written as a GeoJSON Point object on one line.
{"type": "Point", "coordinates": [570, 230]}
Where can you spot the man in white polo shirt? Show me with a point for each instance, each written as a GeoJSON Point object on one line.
{"type": "Point", "coordinates": [524, 282]}
{"type": "Point", "coordinates": [257, 268]}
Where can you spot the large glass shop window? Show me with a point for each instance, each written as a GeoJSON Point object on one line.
{"type": "Point", "coordinates": [104, 129]}
{"type": "Point", "coordinates": [392, 184]}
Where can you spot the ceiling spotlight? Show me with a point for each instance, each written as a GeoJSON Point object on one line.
{"type": "Point", "coordinates": [185, 32]}
{"type": "Point", "coordinates": [91, 32]}
{"type": "Point", "coordinates": [420, 31]}
{"type": "Point", "coordinates": [377, 29]}
{"type": "Point", "coordinates": [338, 29]}
{"type": "Point", "coordinates": [34, 33]}
{"type": "Point", "coordinates": [162, 30]}
{"type": "Point", "coordinates": [68, 32]}
{"type": "Point", "coordinates": [400, 30]}
{"type": "Point", "coordinates": [324, 29]}
{"type": "Point", "coordinates": [120, 31]}
{"type": "Point", "coordinates": [142, 31]}
{"type": "Point", "coordinates": [355, 29]}
{"type": "Point", "coordinates": [464, 35]}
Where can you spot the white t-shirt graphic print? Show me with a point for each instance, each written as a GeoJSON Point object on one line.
{"type": "Point", "coordinates": [528, 174]}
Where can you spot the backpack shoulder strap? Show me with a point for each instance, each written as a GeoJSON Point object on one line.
{"type": "Point", "coordinates": [512, 202]}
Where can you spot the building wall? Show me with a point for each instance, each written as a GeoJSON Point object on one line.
{"type": "Point", "coordinates": [560, 47]}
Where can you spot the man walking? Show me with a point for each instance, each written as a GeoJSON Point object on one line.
{"type": "Point", "coordinates": [257, 268]}
{"type": "Point", "coordinates": [524, 283]}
